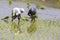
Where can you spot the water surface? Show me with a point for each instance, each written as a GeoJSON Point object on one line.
{"type": "Point", "coordinates": [6, 9]}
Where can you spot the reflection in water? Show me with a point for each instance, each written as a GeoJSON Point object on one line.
{"type": "Point", "coordinates": [6, 21]}
{"type": "Point", "coordinates": [15, 27]}
{"type": "Point", "coordinates": [32, 28]}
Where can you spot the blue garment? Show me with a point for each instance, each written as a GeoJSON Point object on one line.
{"type": "Point", "coordinates": [32, 11]}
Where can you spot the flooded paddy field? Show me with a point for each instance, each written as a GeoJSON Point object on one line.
{"type": "Point", "coordinates": [46, 27]}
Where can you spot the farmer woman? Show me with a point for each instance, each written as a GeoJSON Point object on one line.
{"type": "Point", "coordinates": [16, 13]}
{"type": "Point", "coordinates": [32, 13]}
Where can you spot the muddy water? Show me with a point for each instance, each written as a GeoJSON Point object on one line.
{"type": "Point", "coordinates": [48, 13]}
{"type": "Point", "coordinates": [5, 10]}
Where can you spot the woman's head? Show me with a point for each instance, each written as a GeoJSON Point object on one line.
{"type": "Point", "coordinates": [22, 10]}
{"type": "Point", "coordinates": [32, 11]}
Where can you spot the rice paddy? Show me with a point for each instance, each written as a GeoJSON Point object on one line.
{"type": "Point", "coordinates": [39, 30]}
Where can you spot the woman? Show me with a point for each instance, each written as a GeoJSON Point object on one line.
{"type": "Point", "coordinates": [16, 13]}
{"type": "Point", "coordinates": [32, 13]}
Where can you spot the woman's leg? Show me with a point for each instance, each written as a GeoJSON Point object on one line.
{"type": "Point", "coordinates": [19, 16]}
{"type": "Point", "coordinates": [32, 18]}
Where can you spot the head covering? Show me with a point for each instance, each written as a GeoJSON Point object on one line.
{"type": "Point", "coordinates": [17, 11]}
{"type": "Point", "coordinates": [32, 9]}
{"type": "Point", "coordinates": [22, 9]}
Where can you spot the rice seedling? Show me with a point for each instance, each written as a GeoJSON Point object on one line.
{"type": "Point", "coordinates": [45, 28]}
{"type": "Point", "coordinates": [10, 2]}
